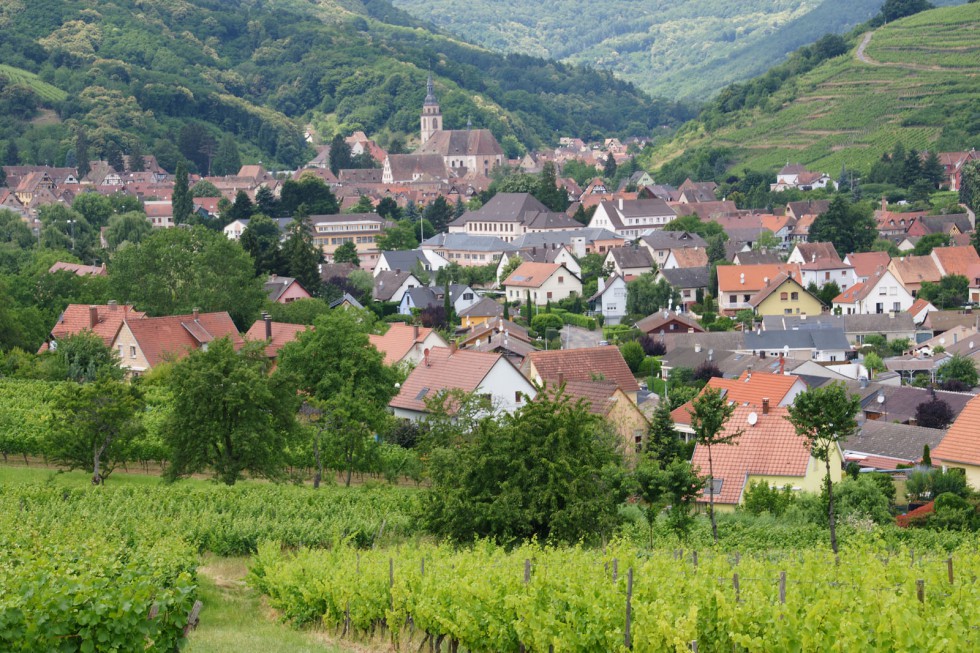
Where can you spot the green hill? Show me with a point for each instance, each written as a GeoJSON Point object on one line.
{"type": "Point", "coordinates": [138, 73]}
{"type": "Point", "coordinates": [914, 81]}
{"type": "Point", "coordinates": [680, 49]}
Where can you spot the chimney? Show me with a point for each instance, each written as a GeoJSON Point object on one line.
{"type": "Point", "coordinates": [268, 325]}
{"type": "Point", "coordinates": [620, 203]}
{"type": "Point", "coordinates": [425, 355]}
{"type": "Point", "coordinates": [197, 313]}
{"type": "Point", "coordinates": [452, 348]}
{"type": "Point", "coordinates": [602, 284]}
{"type": "Point", "coordinates": [113, 304]}
{"type": "Point", "coordinates": [697, 348]}
{"type": "Point", "coordinates": [415, 331]}
{"type": "Point", "coordinates": [884, 204]}
{"type": "Point", "coordinates": [561, 379]}
{"type": "Point", "coordinates": [741, 278]}
{"type": "Point", "coordinates": [813, 258]}
{"type": "Point", "coordinates": [93, 316]}
{"type": "Point", "coordinates": [782, 365]}
{"type": "Point", "coordinates": [765, 405]}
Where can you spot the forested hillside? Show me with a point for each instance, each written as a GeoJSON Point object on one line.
{"type": "Point", "coordinates": [680, 49]}
{"type": "Point", "coordinates": [136, 73]}
{"type": "Point", "coordinates": [846, 102]}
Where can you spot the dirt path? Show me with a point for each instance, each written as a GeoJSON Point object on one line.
{"type": "Point", "coordinates": [863, 57]}
{"type": "Point", "coordinates": [859, 53]}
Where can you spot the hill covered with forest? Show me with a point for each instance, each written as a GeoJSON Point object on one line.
{"type": "Point", "coordinates": [841, 102]}
{"type": "Point", "coordinates": [679, 49]}
{"type": "Point", "coordinates": [140, 74]}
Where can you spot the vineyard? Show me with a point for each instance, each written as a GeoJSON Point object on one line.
{"type": "Point", "coordinates": [540, 599]}
{"type": "Point", "coordinates": [40, 87]}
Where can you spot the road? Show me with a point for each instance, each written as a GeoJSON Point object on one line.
{"type": "Point", "coordinates": [573, 337]}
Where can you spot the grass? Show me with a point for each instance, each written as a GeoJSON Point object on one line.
{"type": "Point", "coordinates": [78, 478]}
{"type": "Point", "coordinates": [235, 617]}
{"type": "Point", "coordinates": [27, 78]}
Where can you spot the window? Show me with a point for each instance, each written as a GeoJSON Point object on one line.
{"type": "Point", "coordinates": [794, 296]}
{"type": "Point", "coordinates": [517, 397]}
{"type": "Point", "coordinates": [826, 276]}
{"type": "Point", "coordinates": [733, 299]}
{"type": "Point", "coordinates": [561, 279]}
{"type": "Point", "coordinates": [132, 351]}
{"type": "Point", "coordinates": [783, 296]}
{"type": "Point", "coordinates": [120, 351]}
{"type": "Point", "coordinates": [467, 295]}
{"type": "Point", "coordinates": [746, 298]}
{"type": "Point", "coordinates": [549, 294]}
{"type": "Point", "coordinates": [787, 311]}
{"type": "Point", "coordinates": [716, 484]}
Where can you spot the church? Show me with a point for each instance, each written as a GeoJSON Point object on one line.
{"type": "Point", "coordinates": [444, 153]}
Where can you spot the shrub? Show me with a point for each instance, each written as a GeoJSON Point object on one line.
{"type": "Point", "coordinates": [633, 355]}
{"type": "Point", "coordinates": [759, 498]}
{"type": "Point", "coordinates": [652, 346]}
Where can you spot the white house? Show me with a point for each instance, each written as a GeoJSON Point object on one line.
{"type": "Point", "coordinates": [405, 261]}
{"type": "Point", "coordinates": [610, 300]}
{"type": "Point", "coordinates": [544, 282]}
{"type": "Point", "coordinates": [631, 218]}
{"type": "Point", "coordinates": [629, 261]}
{"type": "Point", "coordinates": [443, 369]}
{"type": "Point", "coordinates": [825, 271]}
{"type": "Point", "coordinates": [461, 296]}
{"type": "Point", "coordinates": [881, 293]}
{"type": "Point", "coordinates": [541, 255]}
{"type": "Point", "coordinates": [233, 230]}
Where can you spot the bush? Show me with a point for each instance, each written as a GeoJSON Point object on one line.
{"type": "Point", "coordinates": [633, 355]}
{"type": "Point", "coordinates": [652, 346]}
{"type": "Point", "coordinates": [861, 498]}
{"type": "Point", "coordinates": [544, 321]}
{"type": "Point", "coordinates": [760, 498]}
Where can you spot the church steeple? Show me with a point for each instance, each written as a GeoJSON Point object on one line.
{"type": "Point", "coordinates": [431, 115]}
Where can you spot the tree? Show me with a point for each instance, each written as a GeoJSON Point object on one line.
{"type": "Point", "coordinates": [934, 414]}
{"type": "Point", "coordinates": [513, 262]}
{"type": "Point", "coordinates": [137, 162]}
{"type": "Point", "coordinates": [402, 236]}
{"type": "Point", "coordinates": [92, 424]}
{"type": "Point", "coordinates": [548, 192]}
{"type": "Point", "coordinates": [662, 442]}
{"type": "Point", "coordinates": [932, 170]}
{"type": "Point", "coordinates": [348, 439]}
{"type": "Point", "coordinates": [609, 168]}
{"type": "Point", "coordinates": [337, 354]}
{"type": "Point", "coordinates": [672, 484]}
{"type": "Point", "coordinates": [388, 208]}
{"type": "Point", "coordinates": [709, 416]}
{"type": "Point", "coordinates": [346, 253]}
{"type": "Point", "coordinates": [87, 358]}
{"type": "Point", "coordinates": [266, 202]}
{"type": "Point", "coordinates": [227, 161]}
{"type": "Point", "coordinates": [182, 202]}
{"type": "Point", "coordinates": [970, 188]}
{"type": "Point", "coordinates": [950, 292]}
{"type": "Point", "coordinates": [114, 157]}
{"type": "Point", "coordinates": [644, 297]}
{"type": "Point", "coordinates": [894, 9]}
{"type": "Point", "coordinates": [308, 191]}
{"type": "Point", "coordinates": [173, 271]}
{"type": "Point", "coordinates": [130, 227]}
{"type": "Point", "coordinates": [301, 256]}
{"type": "Point", "coordinates": [364, 205]}
{"type": "Point", "coordinates": [260, 239]}
{"type": "Point", "coordinates": [849, 227]}
{"type": "Point", "coordinates": [766, 241]}
{"type": "Point", "coordinates": [551, 471]}
{"type": "Point", "coordinates": [438, 213]}
{"type": "Point", "coordinates": [65, 228]}
{"type": "Point", "coordinates": [874, 364]}
{"type": "Point", "coordinates": [957, 373]}
{"type": "Point", "coordinates": [823, 417]}
{"type": "Point", "coordinates": [241, 209]}
{"type": "Point", "coordinates": [340, 154]}
{"type": "Point", "coordinates": [930, 241]}
{"type": "Point", "coordinates": [81, 153]}
{"type": "Point", "coordinates": [205, 188]}
{"type": "Point", "coordinates": [229, 414]}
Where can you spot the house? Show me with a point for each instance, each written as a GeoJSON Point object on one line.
{"type": "Point", "coordinates": [960, 449]}
{"type": "Point", "coordinates": [480, 313]}
{"type": "Point", "coordinates": [534, 254]}
{"type": "Point", "coordinates": [780, 226]}
{"type": "Point", "coordinates": [953, 163]}
{"type": "Point", "coordinates": [461, 297]}
{"type": "Point", "coordinates": [481, 333]}
{"type": "Point", "coordinates": [687, 257]}
{"type": "Point", "coordinates": [784, 295]}
{"type": "Point", "coordinates": [579, 241]}
{"type": "Point", "coordinates": [406, 260]}
{"type": "Point", "coordinates": [79, 269]}
{"type": "Point", "coordinates": [912, 271]}
{"type": "Point", "coordinates": [738, 284]}
{"type": "Point", "coordinates": [629, 261]}
{"type": "Point", "coordinates": [606, 399]}
{"type": "Point", "coordinates": [406, 343]}
{"type": "Point", "coordinates": [766, 449]}
{"type": "Point", "coordinates": [756, 389]}
{"type": "Point", "coordinates": [691, 192]}
{"type": "Point", "coordinates": [921, 308]}
{"type": "Point", "coordinates": [893, 326]}
{"type": "Point", "coordinates": [797, 176]}
{"type": "Point", "coordinates": [955, 260]}
{"type": "Point", "coordinates": [810, 252]}
{"type": "Point", "coordinates": [824, 271]}
{"type": "Point", "coordinates": [510, 215]}
{"type": "Point", "coordinates": [661, 243]}
{"type": "Point", "coordinates": [501, 342]}
{"type": "Point", "coordinates": [346, 301]}
{"type": "Point", "coordinates": [443, 369]}
{"type": "Point", "coordinates": [362, 229]}
{"type": "Point", "coordinates": [587, 364]}
{"type": "Point", "coordinates": [159, 213]}
{"type": "Point", "coordinates": [234, 229]}
{"type": "Point", "coordinates": [899, 404]}
{"type": "Point", "coordinates": [146, 342]}
{"type": "Point", "coordinates": [283, 290]}
{"type": "Point", "coordinates": [881, 293]}
{"type": "Point", "coordinates": [866, 264]}
{"type": "Point", "coordinates": [102, 320]}
{"type": "Point", "coordinates": [666, 321]}
{"type": "Point", "coordinates": [467, 250]}
{"type": "Point", "coordinates": [391, 286]}
{"type": "Point", "coordinates": [821, 345]}
{"type": "Point", "coordinates": [691, 283]}
{"type": "Point", "coordinates": [276, 334]}
{"type": "Point", "coordinates": [610, 300]}
{"type": "Point", "coordinates": [939, 322]}
{"type": "Point", "coordinates": [631, 218]}
{"type": "Point", "coordinates": [541, 282]}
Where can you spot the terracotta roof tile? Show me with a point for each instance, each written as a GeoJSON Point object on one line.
{"type": "Point", "coordinates": [532, 275]}
{"type": "Point", "coordinates": [690, 257]}
{"type": "Point", "coordinates": [730, 277]}
{"type": "Point", "coordinates": [597, 395]}
{"type": "Point", "coordinates": [398, 340]}
{"type": "Point", "coordinates": [446, 370]}
{"type": "Point", "coordinates": [78, 318]}
{"type": "Point", "coordinates": [866, 263]}
{"type": "Point", "coordinates": [915, 269]}
{"type": "Point", "coordinates": [176, 335]}
{"type": "Point", "coordinates": [817, 252]}
{"type": "Point", "coordinates": [77, 268]}
{"type": "Point", "coordinates": [955, 260]}
{"type": "Point", "coordinates": [585, 364]}
{"type": "Point", "coordinates": [770, 448]}
{"type": "Point", "coordinates": [962, 441]}
{"type": "Point", "coordinates": [746, 390]}
{"type": "Point", "coordinates": [282, 333]}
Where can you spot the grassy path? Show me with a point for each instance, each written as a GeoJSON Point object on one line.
{"type": "Point", "coordinates": [236, 620]}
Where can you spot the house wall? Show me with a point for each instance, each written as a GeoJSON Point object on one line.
{"type": "Point", "coordinates": [123, 344]}
{"type": "Point", "coordinates": [416, 353]}
{"type": "Point", "coordinates": [742, 295]}
{"type": "Point", "coordinates": [465, 300]}
{"type": "Point", "coordinates": [469, 321]}
{"type": "Point", "coordinates": [502, 383]}
{"type": "Point", "coordinates": [804, 304]}
{"type": "Point", "coordinates": [293, 292]}
{"type": "Point", "coordinates": [558, 289]}
{"type": "Point", "coordinates": [629, 423]}
{"type": "Point", "coordinates": [612, 303]}
{"type": "Point", "coordinates": [844, 278]}
{"type": "Point", "coordinates": [467, 258]}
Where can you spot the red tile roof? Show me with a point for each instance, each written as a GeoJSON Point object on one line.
{"type": "Point", "coordinates": [78, 318]}
{"type": "Point", "coordinates": [747, 390]}
{"type": "Point", "coordinates": [282, 333]}
{"type": "Point", "coordinates": [77, 268]}
{"type": "Point", "coordinates": [962, 441]}
{"type": "Point", "coordinates": [174, 336]}
{"type": "Point", "coordinates": [398, 341]}
{"type": "Point", "coordinates": [866, 263]}
{"type": "Point", "coordinates": [587, 364]}
{"type": "Point", "coordinates": [751, 278]}
{"type": "Point", "coordinates": [463, 369]}
{"type": "Point", "coordinates": [770, 448]}
{"type": "Point", "coordinates": [955, 260]}
{"type": "Point", "coordinates": [915, 269]}
{"type": "Point", "coordinates": [597, 395]}
{"type": "Point", "coordinates": [531, 274]}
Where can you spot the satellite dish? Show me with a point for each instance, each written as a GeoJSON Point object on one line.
{"type": "Point", "coordinates": [881, 397]}
{"type": "Point", "coordinates": [753, 418]}
{"type": "Point", "coordinates": [942, 341]}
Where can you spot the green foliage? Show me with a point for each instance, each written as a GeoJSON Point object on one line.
{"type": "Point", "coordinates": [644, 296]}
{"type": "Point", "coordinates": [930, 241]}
{"type": "Point", "coordinates": [346, 253]}
{"type": "Point", "coordinates": [182, 201]}
{"type": "Point", "coordinates": [301, 311]}
{"type": "Point", "coordinates": [669, 484]}
{"type": "Point", "coordinates": [958, 369]}
{"type": "Point", "coordinates": [308, 195]}
{"type": "Point", "coordinates": [544, 321]}
{"type": "Point", "coordinates": [260, 239]}
{"type": "Point", "coordinates": [549, 471]}
{"type": "Point", "coordinates": [662, 442]}
{"type": "Point", "coordinates": [849, 227]}
{"type": "Point", "coordinates": [633, 354]}
{"type": "Point", "coordinates": [229, 416]}
{"type": "Point", "coordinates": [874, 363]}
{"type": "Point", "coordinates": [952, 291]}
{"type": "Point", "coordinates": [863, 498]}
{"type": "Point", "coordinates": [173, 271]}
{"type": "Point", "coordinates": [694, 224]}
{"type": "Point", "coordinates": [127, 228]}
{"type": "Point", "coordinates": [760, 497]}
{"type": "Point", "coordinates": [86, 358]}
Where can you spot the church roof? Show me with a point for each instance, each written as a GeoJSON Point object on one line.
{"type": "Point", "coordinates": [456, 142]}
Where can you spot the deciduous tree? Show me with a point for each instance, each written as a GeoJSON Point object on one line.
{"type": "Point", "coordinates": [709, 415]}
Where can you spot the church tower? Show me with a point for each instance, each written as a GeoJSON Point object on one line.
{"type": "Point", "coordinates": [431, 116]}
